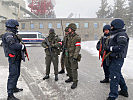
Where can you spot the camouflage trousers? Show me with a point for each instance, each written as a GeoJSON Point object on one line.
{"type": "Point", "coordinates": [72, 68]}
{"type": "Point", "coordinates": [62, 61]}
{"type": "Point", "coordinates": [48, 61]}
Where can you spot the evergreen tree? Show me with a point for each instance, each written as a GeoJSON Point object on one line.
{"type": "Point", "coordinates": [120, 9]}
{"type": "Point", "coordinates": [130, 18]}
{"type": "Point", "coordinates": [105, 10]}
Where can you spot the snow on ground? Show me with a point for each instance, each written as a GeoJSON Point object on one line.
{"type": "Point", "coordinates": [3, 84]}
{"type": "Point", "coordinates": [127, 69]}
{"type": "Point", "coordinates": [3, 81]}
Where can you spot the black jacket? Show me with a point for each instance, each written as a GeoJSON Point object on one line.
{"type": "Point", "coordinates": [11, 44]}
{"type": "Point", "coordinates": [119, 41]}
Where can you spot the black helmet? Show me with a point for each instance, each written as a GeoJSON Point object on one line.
{"type": "Point", "coordinates": [107, 27]}
{"type": "Point", "coordinates": [11, 23]}
{"type": "Point", "coordinates": [66, 29]}
{"type": "Point", "coordinates": [51, 30]}
{"type": "Point", "coordinates": [117, 24]}
{"type": "Point", "coordinates": [72, 26]}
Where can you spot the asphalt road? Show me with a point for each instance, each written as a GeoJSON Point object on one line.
{"type": "Point", "coordinates": [32, 72]}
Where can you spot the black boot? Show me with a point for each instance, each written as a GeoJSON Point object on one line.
{"type": "Point", "coordinates": [46, 77]}
{"type": "Point", "coordinates": [105, 81]}
{"type": "Point", "coordinates": [62, 71]}
{"type": "Point", "coordinates": [69, 80]}
{"type": "Point", "coordinates": [123, 93]}
{"type": "Point", "coordinates": [12, 98]}
{"type": "Point", "coordinates": [74, 85]}
{"type": "Point", "coordinates": [110, 98]}
{"type": "Point", "coordinates": [56, 77]}
{"type": "Point", "coordinates": [17, 90]}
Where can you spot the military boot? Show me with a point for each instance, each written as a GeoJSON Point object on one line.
{"type": "Point", "coordinates": [74, 85]}
{"type": "Point", "coordinates": [110, 98]}
{"type": "Point", "coordinates": [56, 77]}
{"type": "Point", "coordinates": [12, 98]}
{"type": "Point", "coordinates": [123, 93]}
{"type": "Point", "coordinates": [17, 90]}
{"type": "Point", "coordinates": [69, 80]}
{"type": "Point", "coordinates": [105, 81]}
{"type": "Point", "coordinates": [46, 77]}
{"type": "Point", "coordinates": [62, 71]}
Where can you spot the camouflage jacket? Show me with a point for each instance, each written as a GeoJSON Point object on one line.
{"type": "Point", "coordinates": [64, 46]}
{"type": "Point", "coordinates": [74, 45]}
{"type": "Point", "coordinates": [55, 45]}
{"type": "Point", "coordinates": [64, 42]}
{"type": "Point", "coordinates": [104, 42]}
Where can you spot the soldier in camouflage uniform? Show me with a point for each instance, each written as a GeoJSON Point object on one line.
{"type": "Point", "coordinates": [63, 51]}
{"type": "Point", "coordinates": [72, 55]}
{"type": "Point", "coordinates": [52, 45]}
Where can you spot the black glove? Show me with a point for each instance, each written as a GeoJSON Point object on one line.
{"type": "Point", "coordinates": [107, 48]}
{"type": "Point", "coordinates": [74, 60]}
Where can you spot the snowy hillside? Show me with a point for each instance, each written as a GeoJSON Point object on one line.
{"type": "Point", "coordinates": [127, 69]}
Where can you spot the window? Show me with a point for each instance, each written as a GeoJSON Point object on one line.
{"type": "Point", "coordinates": [58, 25]}
{"type": "Point", "coordinates": [50, 25]}
{"type": "Point", "coordinates": [67, 24]}
{"type": "Point", "coordinates": [86, 35]}
{"type": "Point", "coordinates": [104, 24]}
{"type": "Point", "coordinates": [41, 25]}
{"type": "Point", "coordinates": [77, 24]}
{"type": "Point", "coordinates": [95, 25]}
{"type": "Point", "coordinates": [40, 36]}
{"type": "Point", "coordinates": [32, 26]}
{"type": "Point", "coordinates": [23, 25]}
{"type": "Point", "coordinates": [96, 36]}
{"type": "Point", "coordinates": [86, 25]}
{"type": "Point", "coordinates": [28, 35]}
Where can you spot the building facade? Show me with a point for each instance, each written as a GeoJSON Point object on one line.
{"type": "Point", "coordinates": [10, 9]}
{"type": "Point", "coordinates": [88, 28]}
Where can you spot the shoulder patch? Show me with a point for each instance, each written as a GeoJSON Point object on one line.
{"type": "Point", "coordinates": [122, 37]}
{"type": "Point", "coordinates": [9, 36]}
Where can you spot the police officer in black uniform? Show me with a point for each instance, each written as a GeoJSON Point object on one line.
{"type": "Point", "coordinates": [118, 46]}
{"type": "Point", "coordinates": [100, 46]}
{"type": "Point", "coordinates": [12, 49]}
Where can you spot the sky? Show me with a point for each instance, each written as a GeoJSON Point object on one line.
{"type": "Point", "coordinates": [80, 8]}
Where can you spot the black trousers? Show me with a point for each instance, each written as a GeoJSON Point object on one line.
{"type": "Point", "coordinates": [14, 73]}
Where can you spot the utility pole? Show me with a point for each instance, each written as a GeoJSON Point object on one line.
{"type": "Point", "coordinates": [19, 11]}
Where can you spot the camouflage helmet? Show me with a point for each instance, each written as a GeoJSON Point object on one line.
{"type": "Point", "coordinates": [72, 26]}
{"type": "Point", "coordinates": [66, 29]}
{"type": "Point", "coordinates": [51, 30]}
